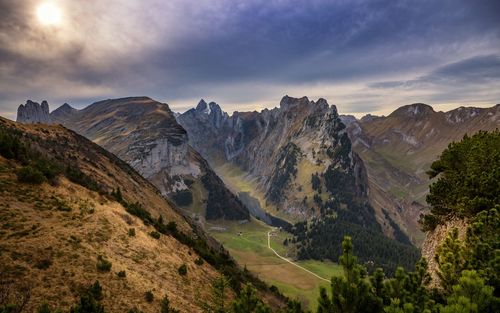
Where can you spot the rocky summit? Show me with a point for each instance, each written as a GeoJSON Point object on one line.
{"type": "Point", "coordinates": [280, 149]}
{"type": "Point", "coordinates": [33, 112]}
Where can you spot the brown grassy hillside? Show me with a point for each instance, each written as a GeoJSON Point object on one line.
{"type": "Point", "coordinates": [52, 234]}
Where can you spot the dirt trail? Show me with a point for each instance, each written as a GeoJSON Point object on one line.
{"type": "Point", "coordinates": [287, 260]}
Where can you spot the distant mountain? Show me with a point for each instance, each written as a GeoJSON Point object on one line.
{"type": "Point", "coordinates": [145, 134]}
{"type": "Point", "coordinates": [398, 150]}
{"type": "Point", "coordinates": [66, 226]}
{"type": "Point", "coordinates": [296, 162]}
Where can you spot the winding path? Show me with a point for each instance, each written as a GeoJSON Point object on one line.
{"type": "Point", "coordinates": [287, 260]}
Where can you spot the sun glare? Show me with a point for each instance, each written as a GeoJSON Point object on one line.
{"type": "Point", "coordinates": [49, 14]}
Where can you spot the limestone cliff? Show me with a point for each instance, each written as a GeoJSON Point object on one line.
{"type": "Point", "coordinates": [33, 112]}
{"type": "Point", "coordinates": [435, 238]}
{"type": "Point", "coordinates": [281, 151]}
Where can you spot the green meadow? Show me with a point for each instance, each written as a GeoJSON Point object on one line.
{"type": "Point", "coordinates": [247, 243]}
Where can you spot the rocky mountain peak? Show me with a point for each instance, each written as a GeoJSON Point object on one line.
{"type": "Point", "coordinates": [33, 112]}
{"type": "Point", "coordinates": [63, 110]}
{"type": "Point", "coordinates": [413, 110]}
{"type": "Point", "coordinates": [202, 105]}
{"type": "Point", "coordinates": [368, 118]}
{"type": "Point", "coordinates": [288, 102]}
{"type": "Point", "coordinates": [462, 114]}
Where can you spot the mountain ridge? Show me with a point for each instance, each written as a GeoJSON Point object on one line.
{"type": "Point", "coordinates": [145, 134]}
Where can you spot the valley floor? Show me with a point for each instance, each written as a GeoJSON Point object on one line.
{"type": "Point", "coordinates": [248, 244]}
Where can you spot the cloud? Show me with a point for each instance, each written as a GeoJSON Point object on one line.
{"type": "Point", "coordinates": [249, 53]}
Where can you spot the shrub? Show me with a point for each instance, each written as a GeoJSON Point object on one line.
{"type": "Point", "coordinates": [182, 270]}
{"type": "Point", "coordinates": [89, 301]}
{"type": "Point", "coordinates": [75, 175]}
{"type": "Point", "coordinates": [103, 265]}
{"type": "Point", "coordinates": [172, 227]}
{"type": "Point", "coordinates": [165, 306]}
{"type": "Point", "coordinates": [148, 296]}
{"type": "Point", "coordinates": [48, 168]}
{"type": "Point", "coordinates": [199, 261]}
{"type": "Point", "coordinates": [121, 274]}
{"type": "Point", "coordinates": [131, 232]}
{"type": "Point", "coordinates": [30, 175]}
{"type": "Point", "coordinates": [117, 194]}
{"type": "Point", "coordinates": [44, 308]}
{"type": "Point", "coordinates": [43, 264]}
{"type": "Point", "coordinates": [134, 310]}
{"type": "Point", "coordinates": [96, 291]}
{"type": "Point", "coordinates": [155, 234]}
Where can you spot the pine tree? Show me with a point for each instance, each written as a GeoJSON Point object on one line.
{"type": "Point", "coordinates": [218, 297]}
{"type": "Point", "coordinates": [248, 302]}
{"type": "Point", "coordinates": [450, 257]}
{"type": "Point", "coordinates": [352, 292]}
{"type": "Point", "coordinates": [471, 295]}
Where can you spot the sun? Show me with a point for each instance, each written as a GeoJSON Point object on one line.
{"type": "Point", "coordinates": [49, 14]}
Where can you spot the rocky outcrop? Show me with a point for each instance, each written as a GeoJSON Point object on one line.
{"type": "Point", "coordinates": [435, 238]}
{"type": "Point", "coordinates": [145, 134]}
{"type": "Point", "coordinates": [33, 112]}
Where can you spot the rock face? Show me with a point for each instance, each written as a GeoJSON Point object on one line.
{"type": "Point", "coordinates": [33, 112]}
{"type": "Point", "coordinates": [145, 134]}
{"type": "Point", "coordinates": [280, 152]}
{"type": "Point", "coordinates": [435, 238]}
{"type": "Point", "coordinates": [398, 150]}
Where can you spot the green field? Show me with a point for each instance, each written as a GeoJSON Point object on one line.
{"type": "Point", "coordinates": [247, 243]}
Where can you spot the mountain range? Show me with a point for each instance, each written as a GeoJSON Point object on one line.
{"type": "Point", "coordinates": [398, 150]}
{"type": "Point", "coordinates": [300, 166]}
{"type": "Point", "coordinates": [145, 134]}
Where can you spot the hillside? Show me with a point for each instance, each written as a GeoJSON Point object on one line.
{"type": "Point", "coordinates": [73, 214]}
{"type": "Point", "coordinates": [398, 149]}
{"type": "Point", "coordinates": [145, 134]}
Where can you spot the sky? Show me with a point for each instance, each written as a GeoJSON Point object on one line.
{"type": "Point", "coordinates": [363, 56]}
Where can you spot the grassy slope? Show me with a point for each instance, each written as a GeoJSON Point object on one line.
{"type": "Point", "coordinates": [250, 250]}
{"type": "Point", "coordinates": [34, 230]}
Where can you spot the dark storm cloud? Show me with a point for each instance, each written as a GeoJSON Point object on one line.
{"type": "Point", "coordinates": [243, 53]}
{"type": "Point", "coordinates": [475, 70]}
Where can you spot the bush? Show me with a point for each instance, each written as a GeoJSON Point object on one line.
{"type": "Point", "coordinates": [131, 232]}
{"type": "Point", "coordinates": [44, 308]}
{"type": "Point", "coordinates": [121, 274]}
{"type": "Point", "coordinates": [165, 306]}
{"type": "Point", "coordinates": [75, 175]}
{"type": "Point", "coordinates": [30, 175]}
{"type": "Point", "coordinates": [182, 270]}
{"type": "Point", "coordinates": [155, 234]}
{"type": "Point", "coordinates": [148, 296]}
{"type": "Point", "coordinates": [199, 261]}
{"type": "Point", "coordinates": [43, 264]}
{"type": "Point", "coordinates": [89, 300]}
{"type": "Point", "coordinates": [96, 291]}
{"type": "Point", "coordinates": [103, 265]}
